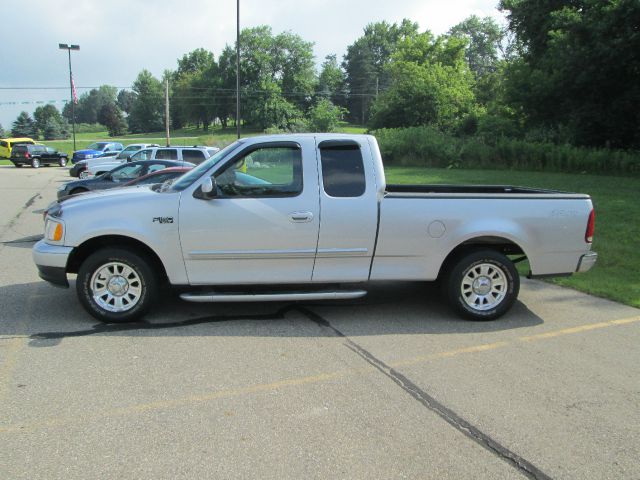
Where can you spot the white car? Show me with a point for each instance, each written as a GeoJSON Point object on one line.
{"type": "Point", "coordinates": [81, 169]}
{"type": "Point", "coordinates": [308, 217]}
{"type": "Point", "coordinates": [195, 155]}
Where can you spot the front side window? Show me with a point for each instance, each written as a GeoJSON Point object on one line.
{"type": "Point", "coordinates": [342, 169]}
{"type": "Point", "coordinates": [263, 172]}
{"type": "Point", "coordinates": [142, 155]}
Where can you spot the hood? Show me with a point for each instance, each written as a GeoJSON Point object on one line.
{"type": "Point", "coordinates": [88, 152]}
{"type": "Point", "coordinates": [116, 195]}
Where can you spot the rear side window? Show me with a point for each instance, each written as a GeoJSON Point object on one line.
{"type": "Point", "coordinates": [342, 169]}
{"type": "Point", "coordinates": [193, 156]}
{"type": "Point", "coordinates": [166, 154]}
{"type": "Point", "coordinates": [19, 149]}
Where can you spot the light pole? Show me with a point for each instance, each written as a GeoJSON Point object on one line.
{"type": "Point", "coordinates": [238, 68]}
{"type": "Point", "coordinates": [64, 46]}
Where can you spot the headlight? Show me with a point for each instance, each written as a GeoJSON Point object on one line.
{"type": "Point", "coordinates": [54, 231]}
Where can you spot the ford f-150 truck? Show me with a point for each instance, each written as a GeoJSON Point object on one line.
{"type": "Point", "coordinates": [310, 216]}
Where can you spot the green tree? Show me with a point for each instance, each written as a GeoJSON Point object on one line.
{"type": "Point", "coordinates": [111, 117]}
{"type": "Point", "coordinates": [331, 81]}
{"type": "Point", "coordinates": [431, 84]}
{"type": "Point", "coordinates": [365, 64]}
{"type": "Point", "coordinates": [148, 108]}
{"type": "Point", "coordinates": [578, 78]}
{"type": "Point", "coordinates": [484, 43]}
{"type": "Point", "coordinates": [226, 98]}
{"type": "Point", "coordinates": [277, 78]}
{"type": "Point", "coordinates": [90, 103]}
{"type": "Point", "coordinates": [194, 89]}
{"type": "Point", "coordinates": [45, 114]}
{"type": "Point", "coordinates": [24, 126]}
{"type": "Point", "coordinates": [125, 100]}
{"type": "Point", "coordinates": [52, 130]}
{"type": "Point", "coordinates": [325, 116]}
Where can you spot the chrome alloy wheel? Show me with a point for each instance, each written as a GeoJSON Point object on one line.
{"type": "Point", "coordinates": [116, 287]}
{"type": "Point", "coordinates": [484, 286]}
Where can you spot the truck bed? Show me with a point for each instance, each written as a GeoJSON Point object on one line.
{"type": "Point", "coordinates": [481, 191]}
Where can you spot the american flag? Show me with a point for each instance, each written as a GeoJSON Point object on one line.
{"type": "Point", "coordinates": [73, 91]}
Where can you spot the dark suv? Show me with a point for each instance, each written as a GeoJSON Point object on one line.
{"type": "Point", "coordinates": [36, 155]}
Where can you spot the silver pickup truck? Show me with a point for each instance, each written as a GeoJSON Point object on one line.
{"type": "Point", "coordinates": [310, 216]}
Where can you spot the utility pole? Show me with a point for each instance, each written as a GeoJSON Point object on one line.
{"type": "Point", "coordinates": [166, 110]}
{"type": "Point", "coordinates": [64, 46]}
{"type": "Point", "coordinates": [238, 69]}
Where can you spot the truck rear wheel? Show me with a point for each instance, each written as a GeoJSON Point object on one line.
{"type": "Point", "coordinates": [482, 285]}
{"type": "Point", "coordinates": [35, 163]}
{"type": "Point", "coordinates": [116, 285]}
{"type": "Point", "coordinates": [62, 162]}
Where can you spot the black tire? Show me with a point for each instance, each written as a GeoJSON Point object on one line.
{"type": "Point", "coordinates": [482, 285]}
{"type": "Point", "coordinates": [35, 163]}
{"type": "Point", "coordinates": [76, 191]}
{"type": "Point", "coordinates": [62, 162]}
{"type": "Point", "coordinates": [103, 268]}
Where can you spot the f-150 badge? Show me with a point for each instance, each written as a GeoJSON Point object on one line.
{"type": "Point", "coordinates": [162, 219]}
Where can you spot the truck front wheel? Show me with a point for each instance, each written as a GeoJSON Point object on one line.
{"type": "Point", "coordinates": [482, 285]}
{"type": "Point", "coordinates": [116, 285]}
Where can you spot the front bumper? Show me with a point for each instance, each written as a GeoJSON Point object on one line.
{"type": "Point", "coordinates": [51, 261]}
{"type": "Point", "coordinates": [587, 261]}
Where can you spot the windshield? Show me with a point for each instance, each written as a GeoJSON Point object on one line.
{"type": "Point", "coordinates": [96, 146]}
{"type": "Point", "coordinates": [192, 175]}
{"type": "Point", "coordinates": [129, 151]}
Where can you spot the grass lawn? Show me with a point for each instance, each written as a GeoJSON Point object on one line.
{"type": "Point", "coordinates": [615, 275]}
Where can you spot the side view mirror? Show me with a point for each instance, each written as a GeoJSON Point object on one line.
{"type": "Point", "coordinates": [207, 190]}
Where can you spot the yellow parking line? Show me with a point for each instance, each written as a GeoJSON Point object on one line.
{"type": "Point", "coordinates": [450, 353]}
{"type": "Point", "coordinates": [579, 329]}
{"type": "Point", "coordinates": [313, 379]}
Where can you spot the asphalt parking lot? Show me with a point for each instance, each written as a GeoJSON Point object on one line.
{"type": "Point", "coordinates": [392, 386]}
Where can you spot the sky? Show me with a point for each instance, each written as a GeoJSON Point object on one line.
{"type": "Point", "coordinates": [118, 38]}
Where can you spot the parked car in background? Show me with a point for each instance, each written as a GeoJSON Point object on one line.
{"type": "Point", "coordinates": [97, 149]}
{"type": "Point", "coordinates": [6, 144]}
{"type": "Point", "coordinates": [36, 155]}
{"type": "Point", "coordinates": [79, 169]}
{"type": "Point", "coordinates": [192, 155]}
{"type": "Point", "coordinates": [158, 176]}
{"type": "Point", "coordinates": [117, 177]}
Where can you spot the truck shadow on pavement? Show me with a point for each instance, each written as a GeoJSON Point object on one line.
{"type": "Point", "coordinates": [47, 315]}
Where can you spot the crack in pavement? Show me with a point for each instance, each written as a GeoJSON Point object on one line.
{"type": "Point", "coordinates": [448, 415]}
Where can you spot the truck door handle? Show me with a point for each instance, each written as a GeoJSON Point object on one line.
{"type": "Point", "coordinates": [301, 217]}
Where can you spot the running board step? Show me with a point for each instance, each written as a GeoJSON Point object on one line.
{"type": "Point", "coordinates": [207, 297]}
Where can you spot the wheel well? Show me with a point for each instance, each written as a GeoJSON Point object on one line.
{"type": "Point", "coordinates": [80, 253]}
{"type": "Point", "coordinates": [499, 244]}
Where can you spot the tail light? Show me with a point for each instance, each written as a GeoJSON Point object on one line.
{"type": "Point", "coordinates": [591, 225]}
{"type": "Point", "coordinates": [26, 155]}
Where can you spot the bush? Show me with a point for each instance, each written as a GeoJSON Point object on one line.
{"type": "Point", "coordinates": [429, 147]}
